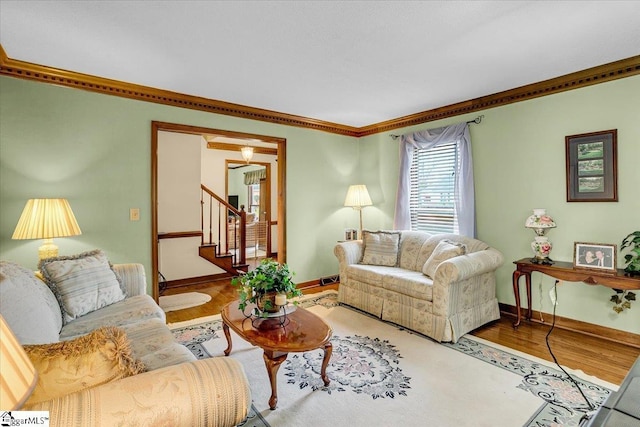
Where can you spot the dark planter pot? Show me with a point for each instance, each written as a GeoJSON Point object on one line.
{"type": "Point", "coordinates": [267, 303]}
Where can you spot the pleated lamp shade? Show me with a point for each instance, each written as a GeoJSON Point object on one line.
{"type": "Point", "coordinates": [46, 219]}
{"type": "Point", "coordinates": [357, 196]}
{"type": "Point", "coordinates": [18, 377]}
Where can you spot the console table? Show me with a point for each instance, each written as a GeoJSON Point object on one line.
{"type": "Point", "coordinates": [565, 271]}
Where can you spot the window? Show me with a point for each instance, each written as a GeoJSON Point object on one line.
{"type": "Point", "coordinates": [432, 189]}
{"type": "Point", "coordinates": [254, 198]}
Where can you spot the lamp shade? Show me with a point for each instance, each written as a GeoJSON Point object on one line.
{"type": "Point", "coordinates": [18, 377]}
{"type": "Point", "coordinates": [540, 219]}
{"type": "Point", "coordinates": [46, 219]}
{"type": "Point", "coordinates": [357, 196]}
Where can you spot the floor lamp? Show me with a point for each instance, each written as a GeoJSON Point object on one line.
{"type": "Point", "coordinates": [357, 198]}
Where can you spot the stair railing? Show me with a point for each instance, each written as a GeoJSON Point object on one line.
{"type": "Point", "coordinates": [210, 204]}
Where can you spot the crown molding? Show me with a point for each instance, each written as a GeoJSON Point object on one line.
{"type": "Point", "coordinates": [600, 74]}
{"type": "Point", "coordinates": [41, 73]}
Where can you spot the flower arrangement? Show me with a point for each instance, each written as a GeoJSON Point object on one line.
{"type": "Point", "coordinates": [268, 286]}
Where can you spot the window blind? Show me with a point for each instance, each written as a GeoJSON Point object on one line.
{"type": "Point", "coordinates": [432, 194]}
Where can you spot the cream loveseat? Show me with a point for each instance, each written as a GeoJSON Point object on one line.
{"type": "Point", "coordinates": [385, 274]}
{"type": "Point", "coordinates": [175, 390]}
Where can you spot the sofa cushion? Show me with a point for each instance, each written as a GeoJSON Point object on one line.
{"type": "Point", "coordinates": [380, 248]}
{"type": "Point", "coordinates": [94, 359]}
{"type": "Point", "coordinates": [409, 282]}
{"type": "Point", "coordinates": [154, 344]}
{"type": "Point", "coordinates": [369, 274]}
{"type": "Point", "coordinates": [411, 243]}
{"type": "Point", "coordinates": [445, 250]}
{"type": "Point", "coordinates": [82, 283]}
{"type": "Point", "coordinates": [130, 310]}
{"type": "Point", "coordinates": [28, 305]}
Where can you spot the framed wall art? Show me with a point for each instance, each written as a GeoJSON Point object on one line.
{"type": "Point", "coordinates": [597, 256]}
{"type": "Point", "coordinates": [592, 167]}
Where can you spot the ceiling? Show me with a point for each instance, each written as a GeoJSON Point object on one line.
{"type": "Point", "coordinates": [353, 63]}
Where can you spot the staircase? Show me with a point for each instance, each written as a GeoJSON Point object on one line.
{"type": "Point", "coordinates": [215, 247]}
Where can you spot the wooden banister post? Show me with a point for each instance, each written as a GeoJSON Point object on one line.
{"type": "Point", "coordinates": [243, 236]}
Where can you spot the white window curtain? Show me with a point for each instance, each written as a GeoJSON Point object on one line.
{"type": "Point", "coordinates": [465, 202]}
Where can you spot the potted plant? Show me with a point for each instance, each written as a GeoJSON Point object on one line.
{"type": "Point", "coordinates": [622, 299]}
{"type": "Point", "coordinates": [632, 241]}
{"type": "Point", "coordinates": [268, 286]}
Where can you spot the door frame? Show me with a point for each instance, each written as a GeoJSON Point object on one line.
{"type": "Point", "coordinates": [281, 144]}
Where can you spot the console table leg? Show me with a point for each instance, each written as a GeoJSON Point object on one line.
{"type": "Point", "coordinates": [527, 282]}
{"type": "Point", "coordinates": [328, 349]}
{"type": "Point", "coordinates": [516, 293]}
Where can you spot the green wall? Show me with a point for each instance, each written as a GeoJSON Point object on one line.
{"type": "Point", "coordinates": [95, 150]}
{"type": "Point", "coordinates": [519, 164]}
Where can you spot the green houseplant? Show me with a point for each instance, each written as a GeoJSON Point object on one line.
{"type": "Point", "coordinates": [622, 298]}
{"type": "Point", "coordinates": [632, 241]}
{"type": "Point", "coordinates": [262, 285]}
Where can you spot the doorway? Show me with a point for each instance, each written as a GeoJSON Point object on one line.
{"type": "Point", "coordinates": [276, 220]}
{"type": "Point", "coordinates": [250, 185]}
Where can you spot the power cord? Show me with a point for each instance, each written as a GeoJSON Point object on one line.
{"type": "Point", "coordinates": [553, 324]}
{"type": "Point", "coordinates": [540, 294]}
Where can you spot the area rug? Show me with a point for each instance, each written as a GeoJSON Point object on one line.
{"type": "Point", "coordinates": [181, 301]}
{"type": "Point", "coordinates": [384, 375]}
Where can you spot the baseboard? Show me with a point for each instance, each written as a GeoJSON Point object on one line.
{"type": "Point", "coordinates": [590, 329]}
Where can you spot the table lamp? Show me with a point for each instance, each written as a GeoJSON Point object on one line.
{"type": "Point", "coordinates": [357, 198]}
{"type": "Point", "coordinates": [18, 377]}
{"type": "Point", "coordinates": [540, 222]}
{"type": "Point", "coordinates": [46, 219]}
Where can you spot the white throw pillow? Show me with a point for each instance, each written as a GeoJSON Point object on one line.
{"type": "Point", "coordinates": [380, 248]}
{"type": "Point", "coordinates": [446, 249]}
{"type": "Point", "coordinates": [82, 283]}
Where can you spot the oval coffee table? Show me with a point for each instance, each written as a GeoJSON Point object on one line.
{"type": "Point", "coordinates": [302, 331]}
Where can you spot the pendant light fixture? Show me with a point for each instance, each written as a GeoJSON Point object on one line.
{"type": "Point", "coordinates": [247, 152]}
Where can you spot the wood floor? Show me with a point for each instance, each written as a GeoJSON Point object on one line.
{"type": "Point", "coordinates": [607, 360]}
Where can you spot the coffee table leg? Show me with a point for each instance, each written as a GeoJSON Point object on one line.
{"type": "Point", "coordinates": [273, 361]}
{"type": "Point", "coordinates": [225, 329]}
{"type": "Point", "coordinates": [328, 349]}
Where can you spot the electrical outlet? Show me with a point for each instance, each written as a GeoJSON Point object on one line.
{"type": "Point", "coordinates": [134, 214]}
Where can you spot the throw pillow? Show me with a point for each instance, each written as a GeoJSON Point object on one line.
{"type": "Point", "coordinates": [446, 249]}
{"type": "Point", "coordinates": [380, 248]}
{"type": "Point", "coordinates": [66, 367]}
{"type": "Point", "coordinates": [82, 283]}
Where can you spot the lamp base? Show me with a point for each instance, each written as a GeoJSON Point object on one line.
{"type": "Point", "coordinates": [47, 250]}
{"type": "Point", "coordinates": [541, 247]}
{"type": "Point", "coordinates": [543, 261]}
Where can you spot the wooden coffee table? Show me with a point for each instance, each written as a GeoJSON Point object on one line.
{"type": "Point", "coordinates": [302, 331]}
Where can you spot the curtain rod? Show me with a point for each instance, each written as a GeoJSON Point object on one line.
{"type": "Point", "coordinates": [476, 121]}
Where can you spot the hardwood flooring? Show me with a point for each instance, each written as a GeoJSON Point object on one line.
{"type": "Point", "coordinates": [607, 360]}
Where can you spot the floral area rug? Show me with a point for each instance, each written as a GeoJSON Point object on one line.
{"type": "Point", "coordinates": [397, 377]}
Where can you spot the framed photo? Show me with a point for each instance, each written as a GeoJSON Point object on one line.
{"type": "Point", "coordinates": [596, 256]}
{"type": "Point", "coordinates": [592, 167]}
